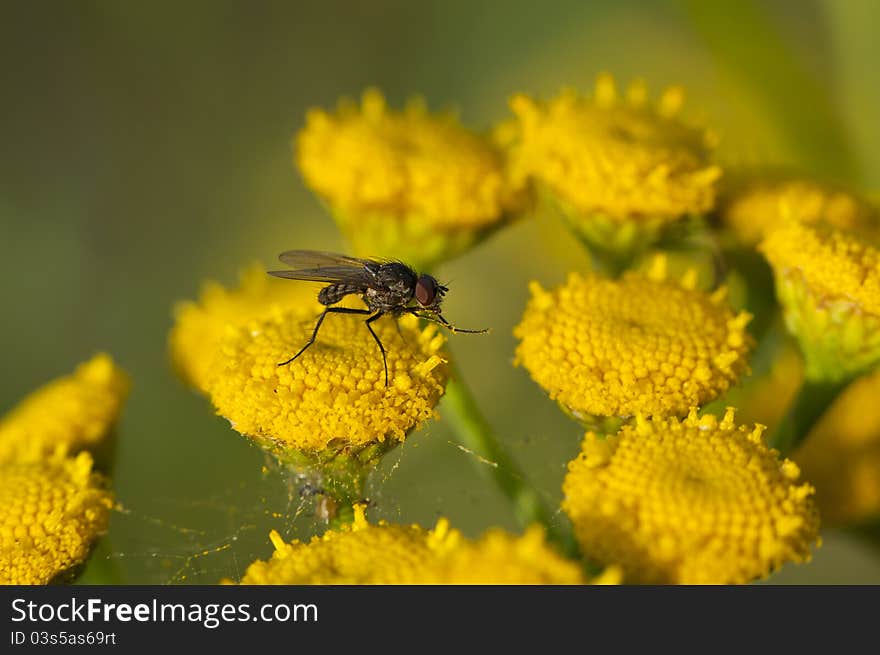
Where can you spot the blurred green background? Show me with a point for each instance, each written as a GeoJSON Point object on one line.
{"type": "Point", "coordinates": [147, 146]}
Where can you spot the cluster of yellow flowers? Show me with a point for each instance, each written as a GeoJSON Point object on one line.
{"type": "Point", "coordinates": [667, 495]}
{"type": "Point", "coordinates": [663, 490]}
{"type": "Point", "coordinates": [53, 506]}
{"type": "Point", "coordinates": [362, 553]}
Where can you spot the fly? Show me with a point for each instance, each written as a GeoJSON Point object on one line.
{"type": "Point", "coordinates": [386, 287]}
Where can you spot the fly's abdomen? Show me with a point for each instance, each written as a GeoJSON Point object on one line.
{"type": "Point", "coordinates": [335, 292]}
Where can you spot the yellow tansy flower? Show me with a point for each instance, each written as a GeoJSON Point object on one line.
{"type": "Point", "coordinates": [698, 501]}
{"type": "Point", "coordinates": [410, 185]}
{"type": "Point", "coordinates": [753, 207]}
{"type": "Point", "coordinates": [362, 553]}
{"type": "Point", "coordinates": [333, 398]}
{"type": "Point", "coordinates": [621, 169]}
{"type": "Point", "coordinates": [358, 553]}
{"type": "Point", "coordinates": [498, 557]}
{"type": "Point", "coordinates": [50, 513]}
{"type": "Point", "coordinates": [640, 344]}
{"type": "Point", "coordinates": [842, 455]}
{"type": "Point", "coordinates": [199, 326]}
{"type": "Point", "coordinates": [828, 283]}
{"type": "Point", "coordinates": [75, 412]}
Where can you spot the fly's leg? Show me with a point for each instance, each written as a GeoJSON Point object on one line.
{"type": "Point", "coordinates": [328, 310]}
{"type": "Point", "coordinates": [379, 343]}
{"type": "Point", "coordinates": [440, 320]}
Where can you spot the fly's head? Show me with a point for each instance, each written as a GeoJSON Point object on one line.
{"type": "Point", "coordinates": [429, 293]}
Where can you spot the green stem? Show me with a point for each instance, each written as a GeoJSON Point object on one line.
{"type": "Point", "coordinates": [475, 434]}
{"type": "Point", "coordinates": [336, 479]}
{"type": "Point", "coordinates": [813, 399]}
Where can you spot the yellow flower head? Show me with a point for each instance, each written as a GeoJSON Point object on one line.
{"type": "Point", "coordinates": [640, 344]}
{"type": "Point", "coordinates": [74, 412]}
{"type": "Point", "coordinates": [199, 326]}
{"type": "Point", "coordinates": [755, 207]}
{"type": "Point", "coordinates": [498, 557]}
{"type": "Point", "coordinates": [50, 513]}
{"type": "Point", "coordinates": [698, 501]}
{"type": "Point", "coordinates": [842, 455]}
{"type": "Point", "coordinates": [362, 553]}
{"type": "Point", "coordinates": [408, 184]}
{"type": "Point", "coordinates": [828, 283]}
{"type": "Point", "coordinates": [620, 168]}
{"type": "Point", "coordinates": [359, 553]}
{"type": "Point", "coordinates": [333, 397]}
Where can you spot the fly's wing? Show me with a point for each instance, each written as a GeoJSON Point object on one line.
{"type": "Point", "coordinates": [327, 267]}
{"type": "Point", "coordinates": [318, 259]}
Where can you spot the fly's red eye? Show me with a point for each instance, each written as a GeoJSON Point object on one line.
{"type": "Point", "coordinates": [426, 290]}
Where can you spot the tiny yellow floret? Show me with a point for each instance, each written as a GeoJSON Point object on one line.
{"type": "Point", "coordinates": [640, 344]}
{"type": "Point", "coordinates": [698, 501]}
{"type": "Point", "coordinates": [75, 412]}
{"type": "Point", "coordinates": [51, 512]}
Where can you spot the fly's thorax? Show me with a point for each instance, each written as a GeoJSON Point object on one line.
{"type": "Point", "coordinates": [397, 277]}
{"type": "Point", "coordinates": [393, 288]}
{"type": "Point", "coordinates": [387, 300]}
